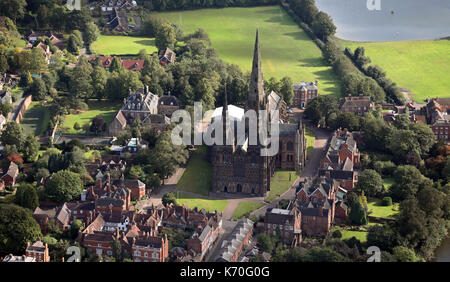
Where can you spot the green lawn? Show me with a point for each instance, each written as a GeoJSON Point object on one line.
{"type": "Point", "coordinates": [310, 138]}
{"type": "Point", "coordinates": [196, 177]}
{"type": "Point", "coordinates": [281, 182]}
{"type": "Point", "coordinates": [286, 49]}
{"type": "Point", "coordinates": [422, 67]}
{"type": "Point", "coordinates": [377, 210]}
{"type": "Point", "coordinates": [245, 208]}
{"type": "Point", "coordinates": [388, 182]}
{"type": "Point", "coordinates": [123, 45]}
{"type": "Point", "coordinates": [36, 119]}
{"type": "Point", "coordinates": [208, 205]}
{"type": "Point", "coordinates": [106, 109]}
{"type": "Point", "coordinates": [348, 234]}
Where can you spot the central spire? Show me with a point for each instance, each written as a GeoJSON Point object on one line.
{"type": "Point", "coordinates": [256, 97]}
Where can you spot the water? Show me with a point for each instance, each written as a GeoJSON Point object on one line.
{"type": "Point", "coordinates": [443, 252]}
{"type": "Point", "coordinates": [397, 19]}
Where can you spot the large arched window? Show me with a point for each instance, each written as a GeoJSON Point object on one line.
{"type": "Point", "coordinates": [290, 146]}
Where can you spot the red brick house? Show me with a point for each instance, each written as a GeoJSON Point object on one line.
{"type": "Point", "coordinates": [166, 57]}
{"type": "Point", "coordinates": [9, 178]}
{"type": "Point", "coordinates": [236, 242]}
{"type": "Point", "coordinates": [38, 250]}
{"type": "Point", "coordinates": [129, 64]}
{"type": "Point", "coordinates": [341, 160]}
{"type": "Point", "coordinates": [287, 222]}
{"type": "Point", "coordinates": [358, 105]}
{"type": "Point", "coordinates": [137, 187]}
{"type": "Point", "coordinates": [149, 248]}
{"type": "Point", "coordinates": [304, 92]}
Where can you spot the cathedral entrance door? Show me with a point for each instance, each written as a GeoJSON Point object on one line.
{"type": "Point", "coordinates": [225, 189]}
{"type": "Point", "coordinates": [239, 188]}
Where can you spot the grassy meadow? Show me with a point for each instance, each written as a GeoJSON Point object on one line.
{"type": "Point", "coordinates": [196, 177]}
{"type": "Point", "coordinates": [245, 208]}
{"type": "Point", "coordinates": [207, 204]}
{"type": "Point", "coordinates": [281, 182]}
{"type": "Point", "coordinates": [105, 109]}
{"type": "Point", "coordinates": [123, 45]}
{"type": "Point", "coordinates": [36, 119]}
{"type": "Point", "coordinates": [422, 66]}
{"type": "Point", "coordinates": [286, 49]}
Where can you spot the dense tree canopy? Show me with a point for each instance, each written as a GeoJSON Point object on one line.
{"type": "Point", "coordinates": [17, 227]}
{"type": "Point", "coordinates": [64, 186]}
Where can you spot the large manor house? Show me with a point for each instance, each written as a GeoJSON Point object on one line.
{"type": "Point", "coordinates": [240, 168]}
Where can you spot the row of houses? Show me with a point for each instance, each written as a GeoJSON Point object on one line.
{"type": "Point", "coordinates": [319, 202]}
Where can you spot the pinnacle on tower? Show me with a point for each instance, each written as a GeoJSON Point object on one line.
{"type": "Point", "coordinates": [225, 114]}
{"type": "Point", "coordinates": [256, 97]}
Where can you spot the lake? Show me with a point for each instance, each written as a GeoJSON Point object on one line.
{"type": "Point", "coordinates": [443, 252]}
{"type": "Point", "coordinates": [397, 19]}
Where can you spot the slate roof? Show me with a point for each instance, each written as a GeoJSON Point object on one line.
{"type": "Point", "coordinates": [288, 129]}
{"type": "Point", "coordinates": [167, 100]}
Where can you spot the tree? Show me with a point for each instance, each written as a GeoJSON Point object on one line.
{"type": "Point", "coordinates": [91, 33]}
{"type": "Point", "coordinates": [13, 134]}
{"type": "Point", "coordinates": [286, 90]}
{"type": "Point", "coordinates": [169, 198]}
{"type": "Point", "coordinates": [37, 89]}
{"type": "Point", "coordinates": [98, 124]}
{"type": "Point", "coordinates": [30, 148]}
{"type": "Point", "coordinates": [15, 9]}
{"type": "Point", "coordinates": [382, 236]}
{"type": "Point", "coordinates": [6, 108]}
{"type": "Point", "coordinates": [64, 186]}
{"type": "Point", "coordinates": [370, 182]}
{"type": "Point", "coordinates": [17, 227]}
{"type": "Point", "coordinates": [408, 181]}
{"type": "Point", "coordinates": [404, 254]}
{"type": "Point", "coordinates": [266, 242]}
{"type": "Point", "coordinates": [76, 126]}
{"type": "Point", "coordinates": [75, 228]}
{"type": "Point", "coordinates": [27, 197]}
{"type": "Point", "coordinates": [357, 214]}
{"type": "Point", "coordinates": [165, 37]}
{"type": "Point", "coordinates": [323, 25]}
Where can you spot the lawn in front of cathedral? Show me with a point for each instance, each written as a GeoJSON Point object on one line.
{"type": "Point", "coordinates": [281, 182]}
{"type": "Point", "coordinates": [210, 205]}
{"type": "Point", "coordinates": [286, 49]}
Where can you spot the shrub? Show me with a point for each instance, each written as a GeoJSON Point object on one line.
{"type": "Point", "coordinates": [387, 201]}
{"type": "Point", "coordinates": [336, 234]}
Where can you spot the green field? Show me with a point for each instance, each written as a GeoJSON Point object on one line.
{"type": "Point", "coordinates": [281, 182]}
{"type": "Point", "coordinates": [245, 208]}
{"type": "Point", "coordinates": [377, 210]}
{"type": "Point", "coordinates": [286, 49]}
{"type": "Point", "coordinates": [123, 45]}
{"type": "Point", "coordinates": [422, 67]}
{"type": "Point", "coordinates": [388, 182]}
{"type": "Point", "coordinates": [360, 235]}
{"type": "Point", "coordinates": [106, 109]}
{"type": "Point", "coordinates": [310, 138]}
{"type": "Point", "coordinates": [196, 177]}
{"type": "Point", "coordinates": [36, 119]}
{"type": "Point", "coordinates": [208, 205]}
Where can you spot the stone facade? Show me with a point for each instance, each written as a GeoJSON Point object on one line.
{"type": "Point", "coordinates": [240, 168]}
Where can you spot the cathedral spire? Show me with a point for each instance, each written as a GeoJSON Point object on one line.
{"type": "Point", "coordinates": [225, 114]}
{"type": "Point", "coordinates": [256, 97]}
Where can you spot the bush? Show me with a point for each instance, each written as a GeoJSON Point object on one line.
{"type": "Point", "coordinates": [387, 201]}
{"type": "Point", "coordinates": [337, 234]}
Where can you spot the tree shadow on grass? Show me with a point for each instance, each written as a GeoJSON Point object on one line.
{"type": "Point", "coordinates": [146, 42]}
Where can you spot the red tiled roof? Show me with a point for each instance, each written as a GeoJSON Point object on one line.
{"type": "Point", "coordinates": [128, 64]}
